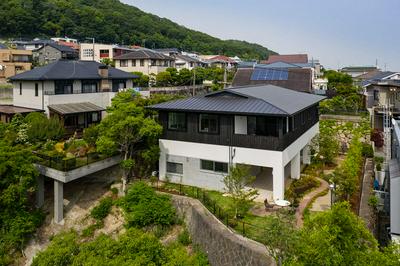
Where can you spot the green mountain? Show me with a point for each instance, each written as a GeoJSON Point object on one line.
{"type": "Point", "coordinates": [111, 21]}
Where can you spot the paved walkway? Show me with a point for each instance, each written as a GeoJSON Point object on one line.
{"type": "Point", "coordinates": [307, 199]}
{"type": "Point", "coordinates": [322, 203]}
{"type": "Point", "coordinates": [366, 212]}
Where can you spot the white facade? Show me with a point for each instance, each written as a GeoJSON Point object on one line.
{"type": "Point", "coordinates": [66, 39]}
{"type": "Point", "coordinates": [190, 154]}
{"type": "Point", "coordinates": [24, 95]}
{"type": "Point", "coordinates": [146, 66]}
{"type": "Point", "coordinates": [86, 51]}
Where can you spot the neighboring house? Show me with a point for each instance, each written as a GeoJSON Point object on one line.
{"type": "Point", "coordinates": [65, 39]}
{"type": "Point", "coordinates": [168, 51]}
{"type": "Point", "coordinates": [144, 60]}
{"type": "Point", "coordinates": [219, 61]}
{"type": "Point", "coordinates": [375, 76]}
{"type": "Point", "coordinates": [32, 45]}
{"type": "Point", "coordinates": [266, 127]}
{"type": "Point", "coordinates": [75, 91]}
{"type": "Point", "coordinates": [101, 51]}
{"type": "Point", "coordinates": [52, 52]}
{"type": "Point", "coordinates": [381, 96]}
{"type": "Point", "coordinates": [294, 78]}
{"type": "Point", "coordinates": [13, 61]}
{"type": "Point", "coordinates": [355, 71]}
{"type": "Point", "coordinates": [184, 61]}
{"type": "Point", "coordinates": [287, 58]}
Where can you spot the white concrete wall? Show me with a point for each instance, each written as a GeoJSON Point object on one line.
{"type": "Point", "coordinates": [97, 48]}
{"type": "Point", "coordinates": [146, 69]}
{"type": "Point", "coordinates": [189, 153]}
{"type": "Point", "coordinates": [28, 98]}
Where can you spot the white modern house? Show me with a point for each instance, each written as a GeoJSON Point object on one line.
{"type": "Point", "coordinates": [98, 51]}
{"type": "Point", "coordinates": [266, 127]}
{"type": "Point", "coordinates": [77, 92]}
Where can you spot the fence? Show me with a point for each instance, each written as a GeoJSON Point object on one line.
{"type": "Point", "coordinates": [68, 163]}
{"type": "Point", "coordinates": [247, 229]}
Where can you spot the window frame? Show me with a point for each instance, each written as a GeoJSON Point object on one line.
{"type": "Point", "coordinates": [89, 82]}
{"type": "Point", "coordinates": [214, 168]}
{"type": "Point", "coordinates": [167, 169]}
{"type": "Point", "coordinates": [199, 117]}
{"type": "Point", "coordinates": [177, 129]}
{"type": "Point", "coordinates": [36, 89]}
{"type": "Point", "coordinates": [123, 63]}
{"type": "Point", "coordinates": [142, 62]}
{"type": "Point", "coordinates": [63, 83]}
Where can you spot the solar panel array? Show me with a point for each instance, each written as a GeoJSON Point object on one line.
{"type": "Point", "coordinates": [269, 74]}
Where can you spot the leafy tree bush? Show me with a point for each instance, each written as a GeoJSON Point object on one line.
{"type": "Point", "coordinates": [101, 211]}
{"type": "Point", "coordinates": [142, 81]}
{"type": "Point", "coordinates": [164, 79]}
{"type": "Point", "coordinates": [143, 207]}
{"type": "Point", "coordinates": [40, 128]}
{"type": "Point", "coordinates": [367, 150]}
{"type": "Point", "coordinates": [91, 134]}
{"type": "Point", "coordinates": [135, 247]}
{"type": "Point", "coordinates": [235, 184]}
{"type": "Point", "coordinates": [326, 146]}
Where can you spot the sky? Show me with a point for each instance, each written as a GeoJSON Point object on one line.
{"type": "Point", "coordinates": [339, 33]}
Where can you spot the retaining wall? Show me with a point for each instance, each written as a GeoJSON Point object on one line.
{"type": "Point", "coordinates": [223, 246]}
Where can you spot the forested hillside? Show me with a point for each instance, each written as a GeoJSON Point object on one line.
{"type": "Point", "coordinates": [111, 21]}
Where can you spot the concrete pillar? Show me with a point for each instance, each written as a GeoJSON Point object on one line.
{"type": "Point", "coordinates": [306, 155]}
{"type": "Point", "coordinates": [58, 201]}
{"type": "Point", "coordinates": [40, 191]}
{"type": "Point", "coordinates": [295, 166]}
{"type": "Point", "coordinates": [278, 177]}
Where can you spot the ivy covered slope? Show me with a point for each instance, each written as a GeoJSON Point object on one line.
{"type": "Point", "coordinates": [111, 21]}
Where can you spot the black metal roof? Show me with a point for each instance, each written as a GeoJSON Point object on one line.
{"type": "Point", "coordinates": [75, 108]}
{"type": "Point", "coordinates": [71, 69]}
{"type": "Point", "coordinates": [61, 48]}
{"type": "Point", "coordinates": [249, 100]}
{"type": "Point", "coordinates": [143, 54]}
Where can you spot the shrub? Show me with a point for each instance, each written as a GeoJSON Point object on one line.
{"type": "Point", "coordinates": [184, 238]}
{"type": "Point", "coordinates": [101, 211]}
{"type": "Point", "coordinates": [143, 206]}
{"type": "Point", "coordinates": [91, 134]}
{"type": "Point", "coordinates": [367, 150]}
{"type": "Point", "coordinates": [377, 138]}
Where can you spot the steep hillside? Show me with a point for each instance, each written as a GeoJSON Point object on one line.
{"type": "Point", "coordinates": [111, 21]}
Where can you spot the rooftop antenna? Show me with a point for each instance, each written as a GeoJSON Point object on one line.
{"type": "Point", "coordinates": [376, 63]}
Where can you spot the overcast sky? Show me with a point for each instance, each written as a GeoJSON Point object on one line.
{"type": "Point", "coordinates": [339, 33]}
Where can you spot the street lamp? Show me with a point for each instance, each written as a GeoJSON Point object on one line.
{"type": "Point", "coordinates": [332, 188]}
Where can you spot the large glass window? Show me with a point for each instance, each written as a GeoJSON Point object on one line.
{"type": "Point", "coordinates": [208, 123]}
{"type": "Point", "coordinates": [214, 166]}
{"type": "Point", "coordinates": [262, 126]}
{"type": "Point", "coordinates": [63, 86]}
{"type": "Point", "coordinates": [141, 62]}
{"type": "Point", "coordinates": [176, 121]}
{"type": "Point", "coordinates": [174, 168]}
{"type": "Point", "coordinates": [123, 63]}
{"type": "Point", "coordinates": [118, 85]}
{"type": "Point", "coordinates": [89, 86]}
{"type": "Point", "coordinates": [36, 89]}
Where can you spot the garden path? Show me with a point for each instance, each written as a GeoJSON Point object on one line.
{"type": "Point", "coordinates": [305, 201]}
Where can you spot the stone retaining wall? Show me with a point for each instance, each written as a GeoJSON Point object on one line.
{"type": "Point", "coordinates": [223, 246]}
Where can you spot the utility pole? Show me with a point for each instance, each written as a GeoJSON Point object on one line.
{"type": "Point", "coordinates": [194, 81]}
{"type": "Point", "coordinates": [225, 77]}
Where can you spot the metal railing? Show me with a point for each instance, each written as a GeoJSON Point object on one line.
{"type": "Point", "coordinates": [238, 225]}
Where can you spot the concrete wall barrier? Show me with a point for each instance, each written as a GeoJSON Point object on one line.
{"type": "Point", "coordinates": [223, 246]}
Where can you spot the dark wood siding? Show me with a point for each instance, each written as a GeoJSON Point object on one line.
{"type": "Point", "coordinates": [302, 122]}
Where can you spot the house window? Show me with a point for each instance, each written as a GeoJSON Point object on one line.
{"type": "Point", "coordinates": [117, 85]}
{"type": "Point", "coordinates": [95, 117]}
{"type": "Point", "coordinates": [63, 87]}
{"type": "Point", "coordinates": [104, 53]}
{"type": "Point", "coordinates": [36, 89]}
{"type": "Point", "coordinates": [20, 88]}
{"type": "Point", "coordinates": [87, 52]}
{"type": "Point", "coordinates": [141, 62]}
{"type": "Point", "coordinates": [177, 121]}
{"type": "Point", "coordinates": [153, 62]}
{"type": "Point", "coordinates": [123, 63]}
{"type": "Point", "coordinates": [89, 86]}
{"type": "Point", "coordinates": [376, 95]}
{"type": "Point", "coordinates": [174, 168]}
{"type": "Point", "coordinates": [262, 126]}
{"type": "Point", "coordinates": [214, 166]}
{"type": "Point", "coordinates": [134, 62]}
{"type": "Point", "coordinates": [208, 123]}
